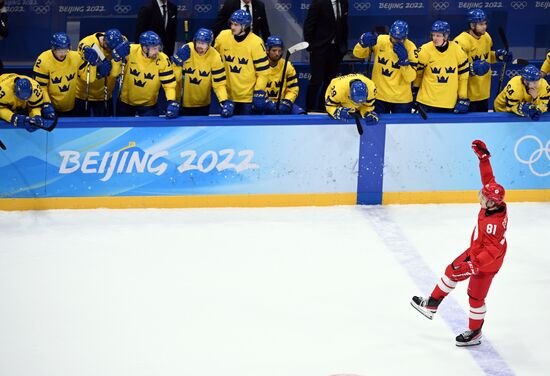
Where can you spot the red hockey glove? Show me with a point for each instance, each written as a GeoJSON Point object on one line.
{"type": "Point", "coordinates": [480, 149]}
{"type": "Point", "coordinates": [464, 271]}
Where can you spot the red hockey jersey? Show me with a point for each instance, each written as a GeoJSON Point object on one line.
{"type": "Point", "coordinates": [488, 242]}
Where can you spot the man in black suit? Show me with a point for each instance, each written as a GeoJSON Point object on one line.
{"type": "Point", "coordinates": [326, 31]}
{"type": "Point", "coordinates": [160, 16]}
{"type": "Point", "coordinates": [256, 8]}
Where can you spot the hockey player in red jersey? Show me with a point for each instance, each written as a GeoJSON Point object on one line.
{"type": "Point", "coordinates": [481, 261]}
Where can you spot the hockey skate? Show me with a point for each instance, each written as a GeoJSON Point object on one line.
{"type": "Point", "coordinates": [427, 307]}
{"type": "Point", "coordinates": [469, 338]}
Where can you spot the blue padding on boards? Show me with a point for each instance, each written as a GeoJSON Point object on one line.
{"type": "Point", "coordinates": [371, 165]}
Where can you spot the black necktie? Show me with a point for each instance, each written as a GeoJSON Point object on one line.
{"type": "Point", "coordinates": [247, 8]}
{"type": "Point", "coordinates": [164, 15]}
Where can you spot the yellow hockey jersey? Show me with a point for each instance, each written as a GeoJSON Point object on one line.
{"type": "Point", "coordinates": [202, 74]}
{"type": "Point", "coordinates": [58, 78]}
{"type": "Point", "coordinates": [442, 76]}
{"type": "Point", "coordinates": [143, 77]}
{"type": "Point", "coordinates": [479, 87]}
{"type": "Point", "coordinates": [515, 93]}
{"type": "Point", "coordinates": [546, 65]}
{"type": "Point", "coordinates": [96, 85]}
{"type": "Point", "coordinates": [290, 89]}
{"type": "Point", "coordinates": [337, 94]}
{"type": "Point", "coordinates": [10, 104]}
{"type": "Point", "coordinates": [392, 81]}
{"type": "Point", "coordinates": [246, 65]}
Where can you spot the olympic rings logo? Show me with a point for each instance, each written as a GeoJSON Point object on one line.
{"type": "Point", "coordinates": [203, 8]}
{"type": "Point", "coordinates": [535, 155]}
{"type": "Point", "coordinates": [40, 9]}
{"type": "Point", "coordinates": [512, 73]}
{"type": "Point", "coordinates": [122, 9]}
{"type": "Point", "coordinates": [440, 5]}
{"type": "Point", "coordinates": [283, 7]}
{"type": "Point", "coordinates": [517, 5]}
{"type": "Point", "coordinates": [361, 7]}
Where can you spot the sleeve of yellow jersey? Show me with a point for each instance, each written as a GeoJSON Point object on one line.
{"type": "Point", "coordinates": [463, 73]}
{"type": "Point", "coordinates": [85, 68]}
{"type": "Point", "coordinates": [513, 96]}
{"type": "Point", "coordinates": [292, 89]}
{"type": "Point", "coordinates": [36, 101]}
{"type": "Point", "coordinates": [492, 54]}
{"type": "Point", "coordinates": [409, 71]}
{"type": "Point", "coordinates": [261, 65]}
{"type": "Point", "coordinates": [42, 76]}
{"type": "Point", "coordinates": [167, 78]}
{"type": "Point", "coordinates": [546, 65]}
{"type": "Point", "coordinates": [423, 59]}
{"type": "Point", "coordinates": [5, 113]}
{"type": "Point", "coordinates": [178, 74]}
{"type": "Point", "coordinates": [219, 80]}
{"type": "Point", "coordinates": [335, 96]}
{"type": "Point", "coordinates": [361, 52]}
{"type": "Point", "coordinates": [544, 96]}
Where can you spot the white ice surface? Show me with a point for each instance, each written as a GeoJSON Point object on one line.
{"type": "Point", "coordinates": [262, 292]}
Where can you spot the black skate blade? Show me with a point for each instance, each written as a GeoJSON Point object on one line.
{"type": "Point", "coordinates": [424, 313]}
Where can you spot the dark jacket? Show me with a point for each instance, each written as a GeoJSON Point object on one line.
{"type": "Point", "coordinates": [260, 26]}
{"type": "Point", "coordinates": [321, 27]}
{"type": "Point", "coordinates": [150, 19]}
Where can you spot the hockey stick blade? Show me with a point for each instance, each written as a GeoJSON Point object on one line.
{"type": "Point", "coordinates": [2, 146]}
{"type": "Point", "coordinates": [298, 47]}
{"type": "Point", "coordinates": [520, 62]}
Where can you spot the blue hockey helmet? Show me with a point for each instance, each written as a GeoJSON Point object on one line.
{"type": "Point", "coordinates": [241, 17]}
{"type": "Point", "coordinates": [530, 73]}
{"type": "Point", "coordinates": [60, 41]}
{"type": "Point", "coordinates": [274, 41]}
{"type": "Point", "coordinates": [399, 30]}
{"type": "Point", "coordinates": [441, 27]}
{"type": "Point", "coordinates": [204, 35]}
{"type": "Point", "coordinates": [23, 88]}
{"type": "Point", "coordinates": [358, 91]}
{"type": "Point", "coordinates": [149, 38]}
{"type": "Point", "coordinates": [476, 15]}
{"type": "Point", "coordinates": [113, 38]}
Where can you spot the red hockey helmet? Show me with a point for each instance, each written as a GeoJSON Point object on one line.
{"type": "Point", "coordinates": [494, 192]}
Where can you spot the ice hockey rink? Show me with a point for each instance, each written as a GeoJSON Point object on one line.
{"type": "Point", "coordinates": [263, 292]}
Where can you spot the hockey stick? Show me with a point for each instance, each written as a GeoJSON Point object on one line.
{"type": "Point", "coordinates": [293, 49]}
{"type": "Point", "coordinates": [504, 40]}
{"type": "Point", "coordinates": [357, 116]}
{"type": "Point", "coordinates": [522, 62]}
{"type": "Point", "coordinates": [420, 110]}
{"type": "Point", "coordinates": [87, 87]}
{"type": "Point", "coordinates": [2, 146]}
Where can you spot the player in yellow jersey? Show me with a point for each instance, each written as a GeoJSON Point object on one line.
{"type": "Point", "coordinates": [203, 71]}
{"type": "Point", "coordinates": [21, 101]}
{"type": "Point", "coordinates": [146, 69]}
{"type": "Point", "coordinates": [477, 44]}
{"type": "Point", "coordinates": [246, 65]}
{"type": "Point", "coordinates": [394, 67]}
{"type": "Point", "coordinates": [349, 94]}
{"type": "Point", "coordinates": [442, 73]}
{"type": "Point", "coordinates": [274, 46]}
{"type": "Point", "coordinates": [525, 95]}
{"type": "Point", "coordinates": [545, 70]}
{"type": "Point", "coordinates": [101, 54]}
{"type": "Point", "coordinates": [56, 70]}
